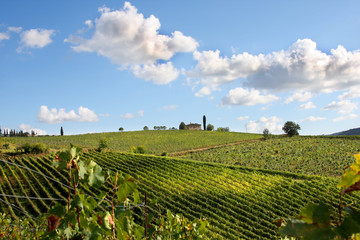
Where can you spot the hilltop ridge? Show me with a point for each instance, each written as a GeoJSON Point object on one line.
{"type": "Point", "coordinates": [350, 132]}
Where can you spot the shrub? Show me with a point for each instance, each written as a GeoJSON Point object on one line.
{"type": "Point", "coordinates": [34, 148]}
{"type": "Point", "coordinates": [26, 147]}
{"type": "Point", "coordinates": [39, 148]}
{"type": "Point", "coordinates": [210, 127]}
{"type": "Point", "coordinates": [103, 143]}
{"type": "Point", "coordinates": [138, 149]}
{"type": "Point", "coordinates": [223, 129]}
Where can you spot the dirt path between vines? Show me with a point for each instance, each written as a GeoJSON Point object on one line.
{"type": "Point", "coordinates": [176, 154]}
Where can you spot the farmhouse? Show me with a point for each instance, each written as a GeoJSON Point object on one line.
{"type": "Point", "coordinates": [193, 126]}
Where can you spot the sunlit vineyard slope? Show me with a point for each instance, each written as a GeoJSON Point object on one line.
{"type": "Point", "coordinates": [307, 155]}
{"type": "Point", "coordinates": [240, 203]}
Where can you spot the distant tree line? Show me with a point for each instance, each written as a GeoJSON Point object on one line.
{"type": "Point", "coordinates": [159, 127]}
{"type": "Point", "coordinates": [13, 133]}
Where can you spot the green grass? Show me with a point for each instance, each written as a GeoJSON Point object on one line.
{"type": "Point", "coordinates": [154, 141]}
{"type": "Point", "coordinates": [307, 155]}
{"type": "Point", "coordinates": [240, 203]}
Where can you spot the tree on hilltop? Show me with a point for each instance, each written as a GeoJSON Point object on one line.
{"type": "Point", "coordinates": [210, 127]}
{"type": "Point", "coordinates": [291, 128]}
{"type": "Point", "coordinates": [182, 126]}
{"type": "Point", "coordinates": [61, 131]}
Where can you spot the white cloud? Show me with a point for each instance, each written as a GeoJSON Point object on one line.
{"type": "Point", "coordinates": [169, 108]}
{"type": "Point", "coordinates": [15, 29]}
{"type": "Point", "coordinates": [158, 74]}
{"type": "Point", "coordinates": [308, 105]}
{"type": "Point", "coordinates": [347, 117]}
{"type": "Point", "coordinates": [302, 67]}
{"type": "Point", "coordinates": [128, 38]}
{"type": "Point", "coordinates": [352, 93]}
{"type": "Point", "coordinates": [28, 128]}
{"type": "Point", "coordinates": [243, 118]}
{"type": "Point", "coordinates": [205, 91]}
{"type": "Point", "coordinates": [241, 96]}
{"type": "Point", "coordinates": [4, 36]}
{"type": "Point", "coordinates": [89, 23]}
{"type": "Point", "coordinates": [54, 116]}
{"type": "Point", "coordinates": [299, 96]}
{"type": "Point", "coordinates": [313, 119]}
{"type": "Point", "coordinates": [35, 38]}
{"type": "Point", "coordinates": [140, 113]}
{"type": "Point", "coordinates": [271, 123]}
{"type": "Point", "coordinates": [104, 115]}
{"type": "Point", "coordinates": [128, 116]}
{"type": "Point", "coordinates": [87, 115]}
{"type": "Point", "coordinates": [343, 107]}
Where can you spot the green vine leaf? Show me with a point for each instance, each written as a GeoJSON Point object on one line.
{"type": "Point", "coordinates": [351, 177]}
{"type": "Point", "coordinates": [316, 213]}
{"type": "Point", "coordinates": [96, 176]}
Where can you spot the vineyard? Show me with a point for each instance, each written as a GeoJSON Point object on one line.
{"type": "Point", "coordinates": [306, 155]}
{"type": "Point", "coordinates": [155, 142]}
{"type": "Point", "coordinates": [239, 202]}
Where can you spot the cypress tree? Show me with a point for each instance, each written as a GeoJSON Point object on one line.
{"type": "Point", "coordinates": [204, 122]}
{"type": "Point", "coordinates": [61, 131]}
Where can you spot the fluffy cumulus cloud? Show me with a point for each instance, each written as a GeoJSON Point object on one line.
{"type": "Point", "coordinates": [128, 38]}
{"type": "Point", "coordinates": [272, 124]}
{"type": "Point", "coordinates": [54, 116]}
{"type": "Point", "coordinates": [343, 106]}
{"type": "Point", "coordinates": [35, 38]}
{"type": "Point", "coordinates": [313, 119]}
{"type": "Point", "coordinates": [156, 73]}
{"type": "Point", "coordinates": [27, 128]}
{"type": "Point", "coordinates": [246, 97]}
{"type": "Point", "coordinates": [308, 105]}
{"type": "Point", "coordinates": [301, 67]}
{"type": "Point", "coordinates": [205, 91]}
{"type": "Point", "coordinates": [299, 96]}
{"type": "Point", "coordinates": [347, 117]}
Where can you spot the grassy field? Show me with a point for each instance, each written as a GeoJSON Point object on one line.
{"type": "Point", "coordinates": [306, 155]}
{"type": "Point", "coordinates": [240, 203]}
{"type": "Point", "coordinates": [155, 141]}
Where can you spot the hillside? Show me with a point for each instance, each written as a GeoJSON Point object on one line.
{"type": "Point", "coordinates": [351, 132]}
{"type": "Point", "coordinates": [155, 142]}
{"type": "Point", "coordinates": [325, 156]}
{"type": "Point", "coordinates": [238, 202]}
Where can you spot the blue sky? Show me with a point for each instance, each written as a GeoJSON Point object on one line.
{"type": "Point", "coordinates": [95, 66]}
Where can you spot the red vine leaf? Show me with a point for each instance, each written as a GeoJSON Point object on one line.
{"type": "Point", "coordinates": [53, 222]}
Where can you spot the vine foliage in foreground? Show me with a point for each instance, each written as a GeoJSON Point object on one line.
{"type": "Point", "coordinates": [316, 221]}
{"type": "Point", "coordinates": [83, 218]}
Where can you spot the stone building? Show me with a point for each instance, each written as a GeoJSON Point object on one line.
{"type": "Point", "coordinates": [193, 126]}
